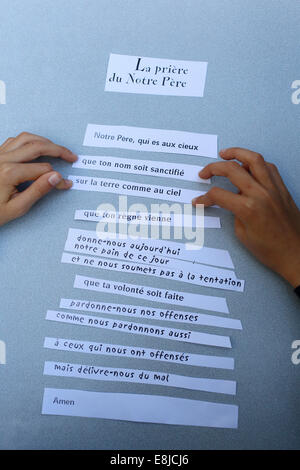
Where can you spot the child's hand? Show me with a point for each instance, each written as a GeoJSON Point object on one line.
{"type": "Point", "coordinates": [267, 220]}
{"type": "Point", "coordinates": [15, 154]}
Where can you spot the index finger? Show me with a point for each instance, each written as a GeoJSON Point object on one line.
{"type": "Point", "coordinates": [32, 150]}
{"type": "Point", "coordinates": [21, 139]}
{"type": "Point", "coordinates": [234, 172]}
{"type": "Point", "coordinates": [235, 203]}
{"type": "Point", "coordinates": [252, 160]}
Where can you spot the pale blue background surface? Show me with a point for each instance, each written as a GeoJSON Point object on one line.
{"type": "Point", "coordinates": [53, 59]}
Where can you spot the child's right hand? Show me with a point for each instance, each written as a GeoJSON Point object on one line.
{"type": "Point", "coordinates": [267, 220]}
{"type": "Point", "coordinates": [15, 154]}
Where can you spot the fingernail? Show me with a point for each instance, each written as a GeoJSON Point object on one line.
{"type": "Point", "coordinates": [55, 179]}
{"type": "Point", "coordinates": [221, 152]}
{"type": "Point", "coordinates": [75, 156]}
{"type": "Point", "coordinates": [69, 182]}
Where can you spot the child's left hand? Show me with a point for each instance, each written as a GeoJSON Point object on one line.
{"type": "Point", "coordinates": [15, 154]}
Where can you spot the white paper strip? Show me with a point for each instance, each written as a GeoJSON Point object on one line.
{"type": "Point", "coordinates": [152, 252]}
{"type": "Point", "coordinates": [139, 408]}
{"type": "Point", "coordinates": [178, 171]}
{"type": "Point", "coordinates": [131, 188]}
{"type": "Point", "coordinates": [117, 350]}
{"type": "Point", "coordinates": [150, 218]}
{"type": "Point", "coordinates": [200, 275]}
{"type": "Point", "coordinates": [142, 312]}
{"type": "Point", "coordinates": [156, 331]}
{"type": "Point", "coordinates": [198, 301]}
{"type": "Point", "coordinates": [151, 76]}
{"type": "Point", "coordinates": [138, 376]}
{"type": "Point", "coordinates": [99, 244]}
{"type": "Point", "coordinates": [151, 140]}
